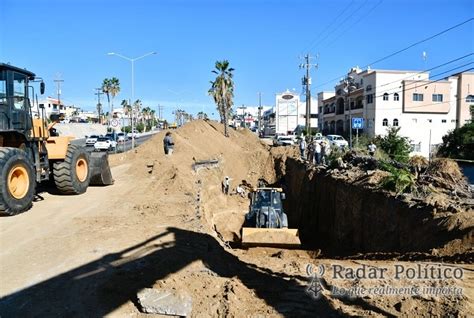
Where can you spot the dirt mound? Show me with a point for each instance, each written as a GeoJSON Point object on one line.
{"type": "Point", "coordinates": [446, 175]}
{"type": "Point", "coordinates": [241, 156]}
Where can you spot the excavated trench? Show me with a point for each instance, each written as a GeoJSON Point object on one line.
{"type": "Point", "coordinates": [343, 219]}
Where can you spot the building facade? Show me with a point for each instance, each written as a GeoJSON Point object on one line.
{"type": "Point", "coordinates": [425, 110]}
{"type": "Point", "coordinates": [290, 112]}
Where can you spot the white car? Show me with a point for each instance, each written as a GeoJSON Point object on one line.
{"type": "Point", "coordinates": [337, 140]}
{"type": "Point", "coordinates": [121, 137]}
{"type": "Point", "coordinates": [105, 143]}
{"type": "Point", "coordinates": [133, 133]}
{"type": "Point", "coordinates": [284, 140]}
{"type": "Point", "coordinates": [91, 140]}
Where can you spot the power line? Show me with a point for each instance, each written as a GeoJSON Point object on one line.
{"type": "Point", "coordinates": [328, 26]}
{"type": "Point", "coordinates": [356, 22]}
{"type": "Point", "coordinates": [419, 42]}
{"type": "Point", "coordinates": [428, 70]}
{"type": "Point", "coordinates": [434, 81]}
{"type": "Point", "coordinates": [341, 24]}
{"type": "Point", "coordinates": [404, 49]}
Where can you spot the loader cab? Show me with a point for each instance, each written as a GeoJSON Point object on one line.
{"type": "Point", "coordinates": [267, 197]}
{"type": "Point", "coordinates": [15, 111]}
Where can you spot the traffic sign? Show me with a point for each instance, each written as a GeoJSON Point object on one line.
{"type": "Point", "coordinates": [114, 123]}
{"type": "Point", "coordinates": [357, 123]}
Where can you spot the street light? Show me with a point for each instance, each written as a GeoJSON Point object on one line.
{"type": "Point", "coordinates": [132, 60]}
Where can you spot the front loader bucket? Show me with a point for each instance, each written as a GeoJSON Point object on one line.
{"type": "Point", "coordinates": [100, 169]}
{"type": "Point", "coordinates": [285, 238]}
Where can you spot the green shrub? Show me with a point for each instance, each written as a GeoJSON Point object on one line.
{"type": "Point", "coordinates": [140, 127]}
{"type": "Point", "coordinates": [395, 146]}
{"type": "Point", "coordinates": [459, 143]}
{"type": "Point", "coordinates": [399, 181]}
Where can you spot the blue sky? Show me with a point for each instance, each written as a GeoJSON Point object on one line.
{"type": "Point", "coordinates": [263, 40]}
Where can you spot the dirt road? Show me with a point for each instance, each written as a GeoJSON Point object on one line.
{"type": "Point", "coordinates": [90, 255]}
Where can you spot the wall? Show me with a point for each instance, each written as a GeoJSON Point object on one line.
{"type": "Point", "coordinates": [342, 219]}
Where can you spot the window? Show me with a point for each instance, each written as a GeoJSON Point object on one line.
{"type": "Point", "coordinates": [361, 81]}
{"type": "Point", "coordinates": [385, 122]}
{"type": "Point", "coordinates": [417, 97]}
{"type": "Point", "coordinates": [454, 121]}
{"type": "Point", "coordinates": [368, 88]}
{"type": "Point", "coordinates": [415, 120]}
{"type": "Point", "coordinates": [437, 97]}
{"type": "Point", "coordinates": [396, 97]}
{"type": "Point", "coordinates": [19, 90]}
{"type": "Point", "coordinates": [395, 122]}
{"type": "Point", "coordinates": [416, 147]}
{"type": "Point", "coordinates": [385, 96]}
{"type": "Point", "coordinates": [470, 99]}
{"type": "Point", "coordinates": [370, 98]}
{"type": "Point", "coordinates": [430, 120]}
{"type": "Point", "coordinates": [443, 121]}
{"type": "Point", "coordinates": [3, 88]}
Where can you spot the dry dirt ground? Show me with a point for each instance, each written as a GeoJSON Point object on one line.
{"type": "Point", "coordinates": [164, 225]}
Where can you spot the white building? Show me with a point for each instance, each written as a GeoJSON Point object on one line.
{"type": "Point", "coordinates": [53, 107]}
{"type": "Point", "coordinates": [290, 112]}
{"type": "Point", "coordinates": [425, 110]}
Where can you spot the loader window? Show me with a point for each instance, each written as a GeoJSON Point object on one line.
{"type": "Point", "coordinates": [3, 88]}
{"type": "Point", "coordinates": [3, 101]}
{"type": "Point", "coordinates": [19, 91]}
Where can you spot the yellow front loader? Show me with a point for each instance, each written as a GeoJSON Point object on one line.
{"type": "Point", "coordinates": [31, 152]}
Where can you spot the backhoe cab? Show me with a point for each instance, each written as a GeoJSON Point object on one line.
{"type": "Point", "coordinates": [31, 152]}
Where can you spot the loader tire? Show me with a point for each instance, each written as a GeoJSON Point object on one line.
{"type": "Point", "coordinates": [72, 176]}
{"type": "Point", "coordinates": [17, 181]}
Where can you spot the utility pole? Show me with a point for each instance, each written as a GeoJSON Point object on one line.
{"type": "Point", "coordinates": [307, 83]}
{"type": "Point", "coordinates": [259, 112]}
{"type": "Point", "coordinates": [160, 112]}
{"type": "Point", "coordinates": [160, 115]}
{"type": "Point", "coordinates": [99, 105]}
{"type": "Point", "coordinates": [58, 83]}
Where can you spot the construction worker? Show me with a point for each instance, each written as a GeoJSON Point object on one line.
{"type": "Point", "coordinates": [310, 151]}
{"type": "Point", "coordinates": [240, 191]}
{"type": "Point", "coordinates": [168, 144]}
{"type": "Point", "coordinates": [302, 147]}
{"type": "Point", "coordinates": [226, 185]}
{"type": "Point", "coordinates": [371, 148]}
{"type": "Point", "coordinates": [317, 152]}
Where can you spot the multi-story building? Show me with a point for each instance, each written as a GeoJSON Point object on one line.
{"type": "Point", "coordinates": [54, 107]}
{"type": "Point", "coordinates": [425, 110]}
{"type": "Point", "coordinates": [290, 112]}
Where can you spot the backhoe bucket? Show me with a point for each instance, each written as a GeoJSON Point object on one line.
{"type": "Point", "coordinates": [267, 237]}
{"type": "Point", "coordinates": [100, 169]}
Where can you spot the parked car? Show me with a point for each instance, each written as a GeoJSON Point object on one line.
{"type": "Point", "coordinates": [337, 140]}
{"type": "Point", "coordinates": [284, 140]}
{"type": "Point", "coordinates": [91, 140]}
{"type": "Point", "coordinates": [121, 137]}
{"type": "Point", "coordinates": [133, 133]}
{"type": "Point", "coordinates": [105, 143]}
{"type": "Point", "coordinates": [111, 135]}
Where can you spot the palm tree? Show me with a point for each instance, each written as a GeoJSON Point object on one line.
{"type": "Point", "coordinates": [146, 111]}
{"type": "Point", "coordinates": [202, 115]}
{"type": "Point", "coordinates": [137, 106]}
{"type": "Point", "coordinates": [111, 87]}
{"type": "Point", "coordinates": [153, 117]}
{"type": "Point", "coordinates": [127, 110]}
{"type": "Point", "coordinates": [222, 90]}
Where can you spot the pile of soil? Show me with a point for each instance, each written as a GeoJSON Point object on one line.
{"type": "Point", "coordinates": [241, 156]}
{"type": "Point", "coordinates": [224, 281]}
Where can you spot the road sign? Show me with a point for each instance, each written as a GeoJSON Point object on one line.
{"type": "Point", "coordinates": [114, 123]}
{"type": "Point", "coordinates": [357, 123]}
